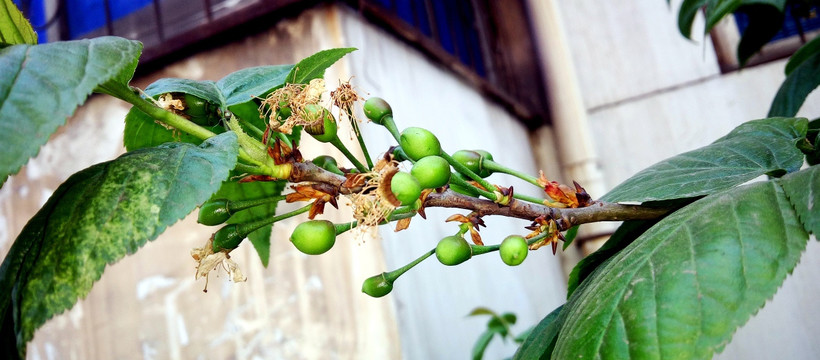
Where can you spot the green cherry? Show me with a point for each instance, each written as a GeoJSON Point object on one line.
{"type": "Point", "coordinates": [377, 286]}
{"type": "Point", "coordinates": [314, 237]}
{"type": "Point", "coordinates": [405, 187]}
{"type": "Point", "coordinates": [431, 171]}
{"type": "Point", "coordinates": [513, 250]}
{"type": "Point", "coordinates": [418, 143]}
{"type": "Point", "coordinates": [453, 250]}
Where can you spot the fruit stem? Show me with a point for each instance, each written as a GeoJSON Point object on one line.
{"type": "Point", "coordinates": [339, 145]}
{"type": "Point", "coordinates": [463, 183]}
{"type": "Point", "coordinates": [393, 275]}
{"type": "Point", "coordinates": [355, 124]}
{"type": "Point", "coordinates": [528, 198]}
{"type": "Point", "coordinates": [234, 206]}
{"type": "Point", "coordinates": [482, 249]}
{"type": "Point", "coordinates": [496, 167]}
{"type": "Point", "coordinates": [464, 170]}
{"type": "Point", "coordinates": [247, 228]}
{"type": "Point", "coordinates": [396, 215]}
{"type": "Point", "coordinates": [391, 127]}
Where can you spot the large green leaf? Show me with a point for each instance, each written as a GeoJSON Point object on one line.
{"type": "Point", "coordinates": [752, 149]}
{"type": "Point", "coordinates": [623, 236]}
{"type": "Point", "coordinates": [803, 190]}
{"type": "Point", "coordinates": [42, 85]}
{"type": "Point", "coordinates": [800, 82]}
{"type": "Point", "coordinates": [14, 28]}
{"type": "Point", "coordinates": [717, 9]}
{"type": "Point", "coordinates": [233, 190]}
{"type": "Point", "coordinates": [540, 342]}
{"type": "Point", "coordinates": [314, 66]}
{"type": "Point", "coordinates": [205, 89]}
{"type": "Point", "coordinates": [97, 217]}
{"type": "Point", "coordinates": [246, 84]}
{"type": "Point", "coordinates": [682, 288]}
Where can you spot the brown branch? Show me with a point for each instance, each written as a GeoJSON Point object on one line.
{"type": "Point", "coordinates": [597, 211]}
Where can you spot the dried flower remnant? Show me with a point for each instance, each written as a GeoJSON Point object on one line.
{"type": "Point", "coordinates": [208, 261]}
{"type": "Point", "coordinates": [294, 97]}
{"type": "Point", "coordinates": [375, 201]}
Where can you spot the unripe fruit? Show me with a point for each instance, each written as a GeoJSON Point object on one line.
{"type": "Point", "coordinates": [453, 250]}
{"type": "Point", "coordinates": [377, 286]}
{"type": "Point", "coordinates": [472, 159]}
{"type": "Point", "coordinates": [214, 212]}
{"type": "Point", "coordinates": [513, 250]}
{"type": "Point", "coordinates": [376, 109]}
{"type": "Point", "coordinates": [199, 110]}
{"type": "Point", "coordinates": [314, 237]}
{"type": "Point", "coordinates": [324, 130]}
{"type": "Point", "coordinates": [405, 188]}
{"type": "Point", "coordinates": [431, 172]}
{"type": "Point", "coordinates": [418, 143]}
{"type": "Point", "coordinates": [227, 238]}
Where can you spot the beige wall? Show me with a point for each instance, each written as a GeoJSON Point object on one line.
{"type": "Point", "coordinates": [651, 94]}
{"type": "Point", "coordinates": [148, 305]}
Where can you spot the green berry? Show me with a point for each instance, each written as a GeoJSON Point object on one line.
{"type": "Point", "coordinates": [453, 250]}
{"type": "Point", "coordinates": [418, 143]}
{"type": "Point", "coordinates": [405, 188]}
{"type": "Point", "coordinates": [214, 212]}
{"type": "Point", "coordinates": [376, 109]}
{"type": "Point", "coordinates": [472, 159]}
{"type": "Point", "coordinates": [199, 110]}
{"type": "Point", "coordinates": [324, 130]}
{"type": "Point", "coordinates": [314, 237]}
{"type": "Point", "coordinates": [513, 250]}
{"type": "Point", "coordinates": [227, 238]}
{"type": "Point", "coordinates": [377, 286]}
{"type": "Point", "coordinates": [431, 171]}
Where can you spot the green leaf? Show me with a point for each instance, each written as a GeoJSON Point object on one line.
{"type": "Point", "coordinates": [686, 16]}
{"type": "Point", "coordinates": [14, 28]}
{"type": "Point", "coordinates": [314, 66]}
{"type": "Point", "coordinates": [623, 236]}
{"type": "Point", "coordinates": [482, 311]}
{"type": "Point", "coordinates": [98, 216]}
{"type": "Point", "coordinates": [234, 191]}
{"type": "Point", "coordinates": [802, 54]}
{"type": "Point", "coordinates": [246, 84]}
{"type": "Point", "coordinates": [540, 342]}
{"type": "Point", "coordinates": [481, 344]}
{"type": "Point", "coordinates": [206, 90]}
{"type": "Point", "coordinates": [717, 9]}
{"type": "Point", "coordinates": [765, 21]}
{"type": "Point", "coordinates": [752, 149]}
{"type": "Point", "coordinates": [803, 191]}
{"type": "Point", "coordinates": [800, 82]}
{"type": "Point", "coordinates": [42, 85]}
{"type": "Point", "coordinates": [683, 287]}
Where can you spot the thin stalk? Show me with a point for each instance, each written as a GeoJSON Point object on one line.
{"type": "Point", "coordinates": [496, 167]}
{"type": "Point", "coordinates": [339, 145]}
{"type": "Point", "coordinates": [464, 170]}
{"type": "Point", "coordinates": [239, 205]}
{"type": "Point", "coordinates": [528, 198]}
{"type": "Point", "coordinates": [359, 137]}
{"type": "Point", "coordinates": [482, 192]}
{"type": "Point", "coordinates": [391, 127]}
{"type": "Point", "coordinates": [343, 227]}
{"type": "Point", "coordinates": [250, 227]}
{"type": "Point", "coordinates": [393, 275]}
